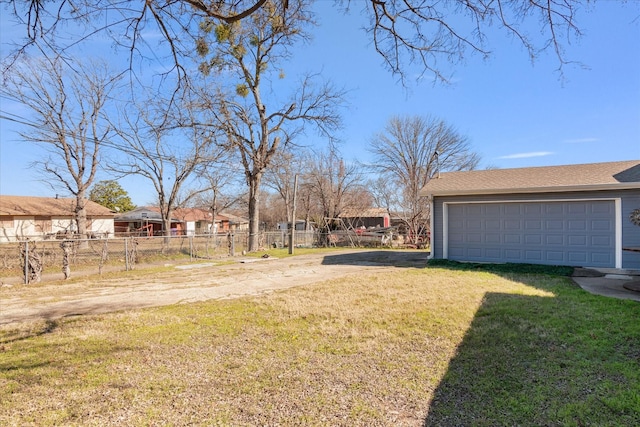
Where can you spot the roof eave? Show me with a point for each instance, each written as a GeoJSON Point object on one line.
{"type": "Point", "coordinates": [561, 189]}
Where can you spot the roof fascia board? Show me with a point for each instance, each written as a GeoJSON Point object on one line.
{"type": "Point", "coordinates": [564, 189]}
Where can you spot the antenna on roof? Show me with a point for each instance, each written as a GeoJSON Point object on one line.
{"type": "Point", "coordinates": [437, 156]}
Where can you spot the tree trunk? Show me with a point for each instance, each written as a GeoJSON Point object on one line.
{"type": "Point", "coordinates": [166, 225]}
{"type": "Point", "coordinates": [81, 220]}
{"type": "Point", "coordinates": [66, 247]}
{"type": "Point", "coordinates": [31, 262]}
{"type": "Point", "coordinates": [254, 211]}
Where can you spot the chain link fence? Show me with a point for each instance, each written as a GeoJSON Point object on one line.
{"type": "Point", "coordinates": [91, 256]}
{"type": "Point", "coordinates": [64, 258]}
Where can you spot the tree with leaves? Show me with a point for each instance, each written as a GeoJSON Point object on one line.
{"type": "Point", "coordinates": [245, 56]}
{"type": "Point", "coordinates": [111, 195]}
{"type": "Point", "coordinates": [407, 154]}
{"type": "Point", "coordinates": [67, 107]}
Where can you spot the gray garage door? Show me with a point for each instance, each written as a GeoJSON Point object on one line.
{"type": "Point", "coordinates": [557, 233]}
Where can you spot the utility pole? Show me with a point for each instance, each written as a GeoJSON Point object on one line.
{"type": "Point", "coordinates": [293, 214]}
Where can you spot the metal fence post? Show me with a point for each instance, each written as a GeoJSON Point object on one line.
{"type": "Point", "coordinates": [26, 262]}
{"type": "Point", "coordinates": [126, 254]}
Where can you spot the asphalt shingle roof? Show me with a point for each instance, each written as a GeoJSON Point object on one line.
{"type": "Point", "coordinates": [46, 206]}
{"type": "Point", "coordinates": [582, 177]}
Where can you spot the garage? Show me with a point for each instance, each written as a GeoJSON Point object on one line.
{"type": "Point", "coordinates": [575, 215]}
{"type": "Point", "coordinates": [573, 233]}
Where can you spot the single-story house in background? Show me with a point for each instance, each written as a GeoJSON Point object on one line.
{"type": "Point", "coordinates": [143, 220]}
{"type": "Point", "coordinates": [26, 217]}
{"type": "Point", "coordinates": [367, 218]}
{"type": "Point", "coordinates": [198, 221]}
{"type": "Point", "coordinates": [575, 215]}
{"type": "Point", "coordinates": [236, 223]}
{"type": "Point", "coordinates": [147, 221]}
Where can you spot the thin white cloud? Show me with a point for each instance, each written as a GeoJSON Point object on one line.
{"type": "Point", "coordinates": [527, 155]}
{"type": "Point", "coordinates": [580, 140]}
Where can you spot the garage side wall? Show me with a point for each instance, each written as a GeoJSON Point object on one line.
{"type": "Point", "coordinates": [630, 199]}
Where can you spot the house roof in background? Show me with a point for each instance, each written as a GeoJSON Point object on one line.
{"type": "Point", "coordinates": [47, 206]}
{"type": "Point", "coordinates": [364, 213]}
{"type": "Point", "coordinates": [235, 219]}
{"type": "Point", "coordinates": [178, 215]}
{"type": "Point", "coordinates": [582, 177]}
{"type": "Point", "coordinates": [196, 214]}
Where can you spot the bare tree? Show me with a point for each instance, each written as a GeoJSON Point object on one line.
{"type": "Point", "coordinates": [68, 117]}
{"type": "Point", "coordinates": [334, 183]}
{"type": "Point", "coordinates": [166, 154]}
{"type": "Point", "coordinates": [427, 33]}
{"type": "Point", "coordinates": [408, 153]}
{"type": "Point", "coordinates": [220, 189]}
{"type": "Point", "coordinates": [257, 125]}
{"type": "Point", "coordinates": [280, 177]}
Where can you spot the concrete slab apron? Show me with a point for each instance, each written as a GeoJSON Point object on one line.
{"type": "Point", "coordinates": [609, 286]}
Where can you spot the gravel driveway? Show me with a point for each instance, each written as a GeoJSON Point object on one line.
{"type": "Point", "coordinates": [194, 282]}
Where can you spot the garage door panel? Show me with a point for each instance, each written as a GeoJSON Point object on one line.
{"type": "Point", "coordinates": [492, 224]}
{"type": "Point", "coordinates": [512, 209]}
{"type": "Point", "coordinates": [567, 233]}
{"type": "Point", "coordinates": [512, 224]}
{"type": "Point", "coordinates": [551, 209]}
{"type": "Point", "coordinates": [533, 210]}
{"type": "Point", "coordinates": [456, 252]}
{"type": "Point", "coordinates": [601, 258]}
{"type": "Point", "coordinates": [514, 255]}
{"type": "Point", "coordinates": [533, 239]}
{"type": "Point", "coordinates": [601, 225]}
{"type": "Point", "coordinates": [577, 208]}
{"type": "Point", "coordinates": [494, 209]}
{"type": "Point", "coordinates": [492, 238]}
{"type": "Point", "coordinates": [533, 225]}
{"type": "Point", "coordinates": [533, 255]}
{"type": "Point", "coordinates": [577, 225]}
{"type": "Point", "coordinates": [474, 224]}
{"type": "Point", "coordinates": [554, 224]}
{"type": "Point", "coordinates": [512, 239]}
{"type": "Point", "coordinates": [456, 238]}
{"type": "Point", "coordinates": [602, 208]}
{"type": "Point", "coordinates": [555, 257]}
{"type": "Point", "coordinates": [577, 240]}
{"type": "Point", "coordinates": [580, 257]}
{"type": "Point", "coordinates": [474, 238]}
{"type": "Point", "coordinates": [475, 253]}
{"type": "Point", "coordinates": [554, 239]}
{"type": "Point", "coordinates": [606, 241]}
{"type": "Point", "coordinates": [493, 253]}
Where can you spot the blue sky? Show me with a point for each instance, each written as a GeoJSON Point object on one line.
{"type": "Point", "coordinates": [514, 113]}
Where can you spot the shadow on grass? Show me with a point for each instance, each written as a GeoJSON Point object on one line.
{"type": "Point", "coordinates": [382, 258]}
{"type": "Point", "coordinates": [20, 334]}
{"type": "Point", "coordinates": [570, 358]}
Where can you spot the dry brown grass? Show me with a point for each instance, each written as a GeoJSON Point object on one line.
{"type": "Point", "coordinates": [350, 352]}
{"type": "Point", "coordinates": [365, 351]}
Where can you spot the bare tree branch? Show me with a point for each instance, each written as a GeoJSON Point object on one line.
{"type": "Point", "coordinates": [67, 108]}
{"type": "Point", "coordinates": [408, 153]}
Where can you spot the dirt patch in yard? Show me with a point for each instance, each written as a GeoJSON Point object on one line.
{"type": "Point", "coordinates": [191, 283]}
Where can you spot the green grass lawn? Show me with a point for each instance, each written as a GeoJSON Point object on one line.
{"type": "Point", "coordinates": [441, 346]}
